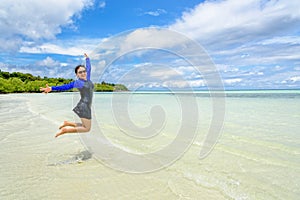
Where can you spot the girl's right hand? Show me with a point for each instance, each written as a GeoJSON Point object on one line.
{"type": "Point", "coordinates": [46, 90]}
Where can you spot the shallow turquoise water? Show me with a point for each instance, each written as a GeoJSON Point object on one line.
{"type": "Point", "coordinates": [256, 157]}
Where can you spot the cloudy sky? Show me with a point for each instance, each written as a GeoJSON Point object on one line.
{"type": "Point", "coordinates": [253, 44]}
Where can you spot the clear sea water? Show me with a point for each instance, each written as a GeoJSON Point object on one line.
{"type": "Point", "coordinates": [256, 157]}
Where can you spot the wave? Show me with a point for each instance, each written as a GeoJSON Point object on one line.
{"type": "Point", "coordinates": [36, 113]}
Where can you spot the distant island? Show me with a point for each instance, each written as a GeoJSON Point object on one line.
{"type": "Point", "coordinates": [17, 82]}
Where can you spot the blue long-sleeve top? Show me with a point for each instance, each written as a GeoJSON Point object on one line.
{"type": "Point", "coordinates": [79, 83]}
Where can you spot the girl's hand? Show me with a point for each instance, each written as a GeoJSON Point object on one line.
{"type": "Point", "coordinates": [46, 90]}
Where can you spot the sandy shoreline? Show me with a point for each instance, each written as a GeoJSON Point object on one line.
{"type": "Point", "coordinates": [34, 165]}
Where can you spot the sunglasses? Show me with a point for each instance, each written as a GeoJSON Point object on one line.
{"type": "Point", "coordinates": [80, 72]}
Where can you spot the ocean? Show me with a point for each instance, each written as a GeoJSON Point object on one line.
{"type": "Point", "coordinates": [146, 145]}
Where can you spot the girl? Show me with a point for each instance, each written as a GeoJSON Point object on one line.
{"type": "Point", "coordinates": [83, 108]}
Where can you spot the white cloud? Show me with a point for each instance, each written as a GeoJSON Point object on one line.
{"type": "Point", "coordinates": [258, 54]}
{"type": "Point", "coordinates": [295, 79]}
{"type": "Point", "coordinates": [156, 13]}
{"type": "Point", "coordinates": [48, 62]}
{"type": "Point", "coordinates": [158, 38]}
{"type": "Point", "coordinates": [247, 38]}
{"type": "Point", "coordinates": [175, 84]}
{"type": "Point", "coordinates": [292, 40]}
{"type": "Point", "coordinates": [64, 64]}
{"type": "Point", "coordinates": [227, 68]}
{"type": "Point", "coordinates": [66, 47]}
{"type": "Point", "coordinates": [234, 22]}
{"type": "Point", "coordinates": [232, 81]}
{"type": "Point", "coordinates": [186, 70]}
{"type": "Point", "coordinates": [163, 74]}
{"type": "Point", "coordinates": [260, 73]}
{"type": "Point", "coordinates": [35, 20]}
{"type": "Point", "coordinates": [102, 4]}
{"type": "Point", "coordinates": [253, 73]}
{"type": "Point", "coordinates": [181, 84]}
{"type": "Point", "coordinates": [152, 38]}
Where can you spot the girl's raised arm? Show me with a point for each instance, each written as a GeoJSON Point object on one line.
{"type": "Point", "coordinates": [88, 66]}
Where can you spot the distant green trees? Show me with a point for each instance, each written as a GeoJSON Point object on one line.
{"type": "Point", "coordinates": [17, 82]}
{"type": "Point", "coordinates": [109, 87]}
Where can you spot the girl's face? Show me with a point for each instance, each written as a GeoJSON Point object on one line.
{"type": "Point", "coordinates": [81, 73]}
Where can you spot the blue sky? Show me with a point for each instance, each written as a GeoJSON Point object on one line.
{"type": "Point", "coordinates": [254, 44]}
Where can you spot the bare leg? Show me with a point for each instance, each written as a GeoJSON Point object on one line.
{"type": "Point", "coordinates": [86, 127]}
{"type": "Point", "coordinates": [67, 123]}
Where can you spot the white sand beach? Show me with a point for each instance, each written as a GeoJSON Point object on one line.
{"type": "Point", "coordinates": [256, 157]}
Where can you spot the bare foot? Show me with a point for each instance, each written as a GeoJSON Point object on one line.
{"type": "Point", "coordinates": [66, 123]}
{"type": "Point", "coordinates": [61, 132]}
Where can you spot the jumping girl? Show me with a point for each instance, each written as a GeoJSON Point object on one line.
{"type": "Point", "coordinates": [83, 108]}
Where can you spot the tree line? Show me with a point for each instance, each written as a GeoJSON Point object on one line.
{"type": "Point", "coordinates": [17, 82]}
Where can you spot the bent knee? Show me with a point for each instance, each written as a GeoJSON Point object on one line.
{"type": "Point", "coordinates": [87, 129]}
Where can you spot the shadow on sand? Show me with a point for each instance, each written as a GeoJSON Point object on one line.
{"type": "Point", "coordinates": [78, 158]}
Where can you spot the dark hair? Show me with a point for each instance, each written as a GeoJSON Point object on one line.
{"type": "Point", "coordinates": [77, 67]}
